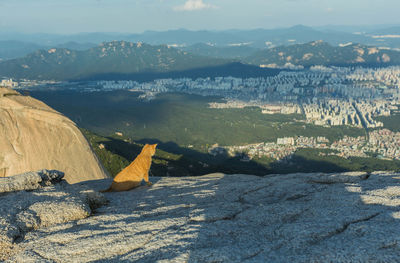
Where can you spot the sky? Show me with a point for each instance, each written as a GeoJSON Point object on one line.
{"type": "Point", "coordinates": [136, 16]}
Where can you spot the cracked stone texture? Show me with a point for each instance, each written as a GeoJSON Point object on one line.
{"type": "Point", "coordinates": [30, 180]}
{"type": "Point", "coordinates": [50, 201]}
{"type": "Point", "coordinates": [33, 136]}
{"type": "Point", "coordinates": [350, 217]}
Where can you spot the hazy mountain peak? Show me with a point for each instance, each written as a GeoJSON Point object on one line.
{"type": "Point", "coordinates": [318, 43]}
{"type": "Point", "coordinates": [301, 27]}
{"type": "Point", "coordinates": [322, 53]}
{"type": "Point", "coordinates": [116, 57]}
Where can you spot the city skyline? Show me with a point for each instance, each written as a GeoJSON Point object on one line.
{"type": "Point", "coordinates": [136, 16]}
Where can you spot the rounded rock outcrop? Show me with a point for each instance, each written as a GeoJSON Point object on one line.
{"type": "Point", "coordinates": [33, 136]}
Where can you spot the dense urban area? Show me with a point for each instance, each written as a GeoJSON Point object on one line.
{"type": "Point", "coordinates": [325, 96]}
{"type": "Point", "coordinates": [382, 143]}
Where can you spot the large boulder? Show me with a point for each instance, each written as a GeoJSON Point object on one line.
{"type": "Point", "coordinates": [33, 136]}
{"type": "Point", "coordinates": [349, 217]}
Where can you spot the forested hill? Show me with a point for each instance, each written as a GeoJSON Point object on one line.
{"type": "Point", "coordinates": [322, 53]}
{"type": "Point", "coordinates": [139, 61]}
{"type": "Point", "coordinates": [117, 57]}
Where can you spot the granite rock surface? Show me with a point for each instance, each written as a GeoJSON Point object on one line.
{"type": "Point", "coordinates": [30, 180]}
{"type": "Point", "coordinates": [33, 136]}
{"type": "Point", "coordinates": [348, 217]}
{"type": "Point", "coordinates": [40, 199]}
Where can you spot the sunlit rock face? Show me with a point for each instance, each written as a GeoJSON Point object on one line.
{"type": "Point", "coordinates": [33, 136]}
{"type": "Point", "coordinates": [340, 217]}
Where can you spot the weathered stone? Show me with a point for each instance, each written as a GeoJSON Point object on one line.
{"type": "Point", "coordinates": [33, 136]}
{"type": "Point", "coordinates": [46, 205]}
{"type": "Point", "coordinates": [6, 250]}
{"type": "Point", "coordinates": [233, 218]}
{"type": "Point", "coordinates": [30, 180]}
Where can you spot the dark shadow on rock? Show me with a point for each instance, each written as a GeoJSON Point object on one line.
{"type": "Point", "coordinates": [297, 217]}
{"type": "Point", "coordinates": [300, 218]}
{"type": "Point", "coordinates": [238, 218]}
{"type": "Point", "coordinates": [103, 184]}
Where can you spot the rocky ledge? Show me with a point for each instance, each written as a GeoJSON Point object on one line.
{"type": "Point", "coordinates": [40, 199]}
{"type": "Point", "coordinates": [348, 217]}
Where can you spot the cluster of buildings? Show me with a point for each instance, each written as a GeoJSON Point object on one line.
{"type": "Point", "coordinates": [27, 84]}
{"type": "Point", "coordinates": [8, 83]}
{"type": "Point", "coordinates": [282, 149]}
{"type": "Point", "coordinates": [383, 143]}
{"type": "Point", "coordinates": [387, 76]}
{"type": "Point", "coordinates": [326, 96]}
{"type": "Point", "coordinates": [288, 86]}
{"type": "Point", "coordinates": [266, 108]}
{"type": "Point", "coordinates": [350, 147]}
{"type": "Point", "coordinates": [353, 113]}
{"type": "Point", "coordinates": [116, 85]}
{"type": "Point", "coordinates": [332, 113]}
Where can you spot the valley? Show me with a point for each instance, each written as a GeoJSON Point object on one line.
{"type": "Point", "coordinates": [202, 139]}
{"type": "Point", "coordinates": [303, 107]}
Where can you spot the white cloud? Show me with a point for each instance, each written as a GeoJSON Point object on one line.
{"type": "Point", "coordinates": [330, 10]}
{"type": "Point", "coordinates": [194, 5]}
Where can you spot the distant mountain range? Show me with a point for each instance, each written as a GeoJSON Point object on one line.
{"type": "Point", "coordinates": [127, 60]}
{"type": "Point", "coordinates": [322, 53]}
{"type": "Point", "coordinates": [230, 52]}
{"type": "Point", "coordinates": [395, 30]}
{"type": "Point", "coordinates": [117, 57]}
{"type": "Point", "coordinates": [10, 49]}
{"type": "Point", "coordinates": [257, 38]}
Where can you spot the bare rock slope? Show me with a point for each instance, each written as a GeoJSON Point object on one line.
{"type": "Point", "coordinates": [33, 136]}
{"type": "Point", "coordinates": [349, 217]}
{"type": "Point", "coordinates": [40, 199]}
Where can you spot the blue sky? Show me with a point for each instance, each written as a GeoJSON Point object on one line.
{"type": "Point", "coordinates": [73, 16]}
